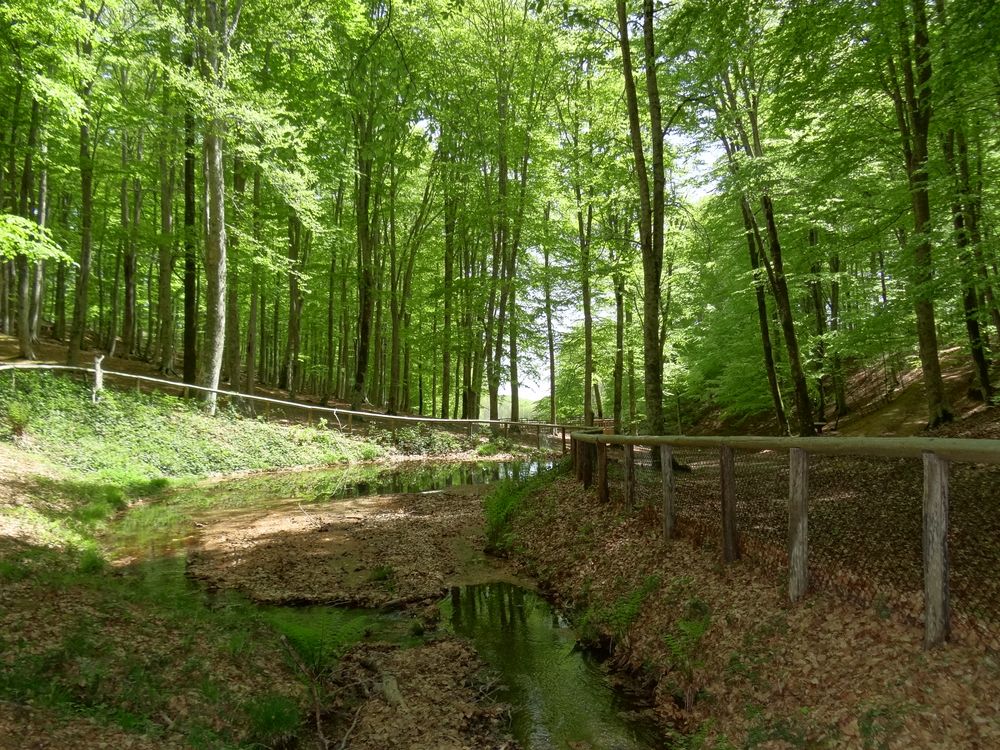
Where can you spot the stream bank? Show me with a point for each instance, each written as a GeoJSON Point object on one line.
{"type": "Point", "coordinates": [732, 662]}
{"type": "Point", "coordinates": [188, 640]}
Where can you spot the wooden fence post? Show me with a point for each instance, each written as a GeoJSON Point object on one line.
{"type": "Point", "coordinates": [669, 490]}
{"type": "Point", "coordinates": [730, 547]}
{"type": "Point", "coordinates": [350, 423]}
{"type": "Point", "coordinates": [798, 523]}
{"type": "Point", "coordinates": [629, 476]}
{"type": "Point", "coordinates": [602, 473]}
{"type": "Point", "coordinates": [564, 441]}
{"type": "Point", "coordinates": [98, 378]}
{"type": "Point", "coordinates": [538, 437]}
{"type": "Point", "coordinates": [937, 616]}
{"type": "Point", "coordinates": [587, 452]}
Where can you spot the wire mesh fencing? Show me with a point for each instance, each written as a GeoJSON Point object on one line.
{"type": "Point", "coordinates": [865, 524]}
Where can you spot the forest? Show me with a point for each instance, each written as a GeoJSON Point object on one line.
{"type": "Point", "coordinates": [422, 206]}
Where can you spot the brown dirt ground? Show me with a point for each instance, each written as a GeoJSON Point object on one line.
{"type": "Point", "coordinates": [428, 540]}
{"type": "Point", "coordinates": [378, 551]}
{"type": "Point", "coordinates": [819, 674]}
{"type": "Point", "coordinates": [398, 696]}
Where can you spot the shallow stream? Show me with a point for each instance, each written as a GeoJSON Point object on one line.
{"type": "Point", "coordinates": [560, 696]}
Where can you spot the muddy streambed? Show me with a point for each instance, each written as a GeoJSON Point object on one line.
{"type": "Point", "coordinates": [362, 557]}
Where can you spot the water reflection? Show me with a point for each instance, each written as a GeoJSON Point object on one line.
{"type": "Point", "coordinates": [430, 477]}
{"type": "Point", "coordinates": [560, 696]}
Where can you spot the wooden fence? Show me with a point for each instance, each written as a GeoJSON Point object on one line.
{"type": "Point", "coordinates": [345, 417]}
{"type": "Point", "coordinates": [589, 450]}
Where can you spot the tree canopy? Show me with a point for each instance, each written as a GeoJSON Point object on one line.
{"type": "Point", "coordinates": [641, 208]}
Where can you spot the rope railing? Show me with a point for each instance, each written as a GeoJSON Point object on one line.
{"type": "Point", "coordinates": [99, 373]}
{"type": "Point", "coordinates": [590, 451]}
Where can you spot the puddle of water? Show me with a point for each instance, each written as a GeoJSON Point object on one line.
{"type": "Point", "coordinates": [560, 696]}
{"type": "Point", "coordinates": [170, 526]}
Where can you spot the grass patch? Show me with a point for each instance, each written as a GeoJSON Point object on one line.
{"type": "Point", "coordinates": [274, 719]}
{"type": "Point", "coordinates": [129, 437]}
{"type": "Point", "coordinates": [506, 499]}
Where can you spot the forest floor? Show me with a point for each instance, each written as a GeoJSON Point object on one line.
{"type": "Point", "coordinates": [125, 652]}
{"type": "Point", "coordinates": [728, 659]}
{"type": "Point", "coordinates": [109, 638]}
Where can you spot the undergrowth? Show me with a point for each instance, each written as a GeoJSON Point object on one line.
{"type": "Point", "coordinates": [127, 437]}
{"type": "Point", "coordinates": [504, 501]}
{"type": "Point", "coordinates": [419, 440]}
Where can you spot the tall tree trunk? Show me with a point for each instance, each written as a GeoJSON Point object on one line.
{"type": "Point", "coordinates": [165, 258]}
{"type": "Point", "coordinates": [839, 391]}
{"type": "Point", "coordinates": [215, 262]}
{"type": "Point", "coordinates": [290, 365]}
{"type": "Point", "coordinates": [450, 219]}
{"type": "Point", "coordinates": [38, 283]}
{"type": "Point", "coordinates": [26, 209]}
{"type": "Point", "coordinates": [763, 319]}
{"type": "Point", "coordinates": [619, 374]}
{"type": "Point", "coordinates": [233, 350]}
{"type": "Point", "coordinates": [584, 228]}
{"type": "Point", "coordinates": [913, 114]}
{"type": "Point", "coordinates": [190, 339]}
{"type": "Point", "coordinates": [970, 296]}
{"type": "Point", "coordinates": [80, 299]}
{"type": "Point", "coordinates": [650, 208]}
{"type": "Point", "coordinates": [255, 293]}
{"type": "Point", "coordinates": [549, 332]}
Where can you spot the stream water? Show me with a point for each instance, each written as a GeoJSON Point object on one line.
{"type": "Point", "coordinates": [559, 694]}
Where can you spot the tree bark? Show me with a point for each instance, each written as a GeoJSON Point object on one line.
{"type": "Point", "coordinates": [651, 237]}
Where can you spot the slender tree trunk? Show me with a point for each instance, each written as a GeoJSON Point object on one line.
{"type": "Point", "coordinates": [619, 375]}
{"type": "Point", "coordinates": [255, 295]}
{"type": "Point", "coordinates": [215, 262]}
{"type": "Point", "coordinates": [38, 284]}
{"type": "Point", "coordinates": [26, 209]}
{"type": "Point", "coordinates": [80, 298]}
{"type": "Point", "coordinates": [190, 342]}
{"type": "Point", "coordinates": [839, 391]}
{"type": "Point", "coordinates": [650, 208]}
{"type": "Point", "coordinates": [913, 113]}
{"type": "Point", "coordinates": [233, 350]}
{"type": "Point", "coordinates": [763, 319]}
{"type": "Point", "coordinates": [549, 332]}
{"type": "Point", "coordinates": [970, 296]}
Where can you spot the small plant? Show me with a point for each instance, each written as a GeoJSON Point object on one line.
{"type": "Point", "coordinates": [684, 644]}
{"type": "Point", "coordinates": [383, 574]}
{"type": "Point", "coordinates": [274, 719]}
{"type": "Point", "coordinates": [624, 612]}
{"type": "Point", "coordinates": [879, 725]}
{"type": "Point", "coordinates": [91, 561]}
{"type": "Point", "coordinates": [18, 417]}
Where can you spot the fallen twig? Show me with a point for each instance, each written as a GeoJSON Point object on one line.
{"type": "Point", "coordinates": [357, 715]}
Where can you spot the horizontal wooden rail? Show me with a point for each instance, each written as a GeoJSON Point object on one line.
{"type": "Point", "coordinates": [589, 447]}
{"type": "Point", "coordinates": [292, 404]}
{"type": "Point", "coordinates": [969, 450]}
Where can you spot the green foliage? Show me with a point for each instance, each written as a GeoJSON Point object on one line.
{"type": "Point", "coordinates": [20, 236]}
{"type": "Point", "coordinates": [684, 644]}
{"type": "Point", "coordinates": [506, 499]}
{"type": "Point", "coordinates": [274, 719]}
{"type": "Point", "coordinates": [18, 417]}
{"type": "Point", "coordinates": [128, 438]}
{"type": "Point", "coordinates": [418, 440]}
{"type": "Point", "coordinates": [619, 616]}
